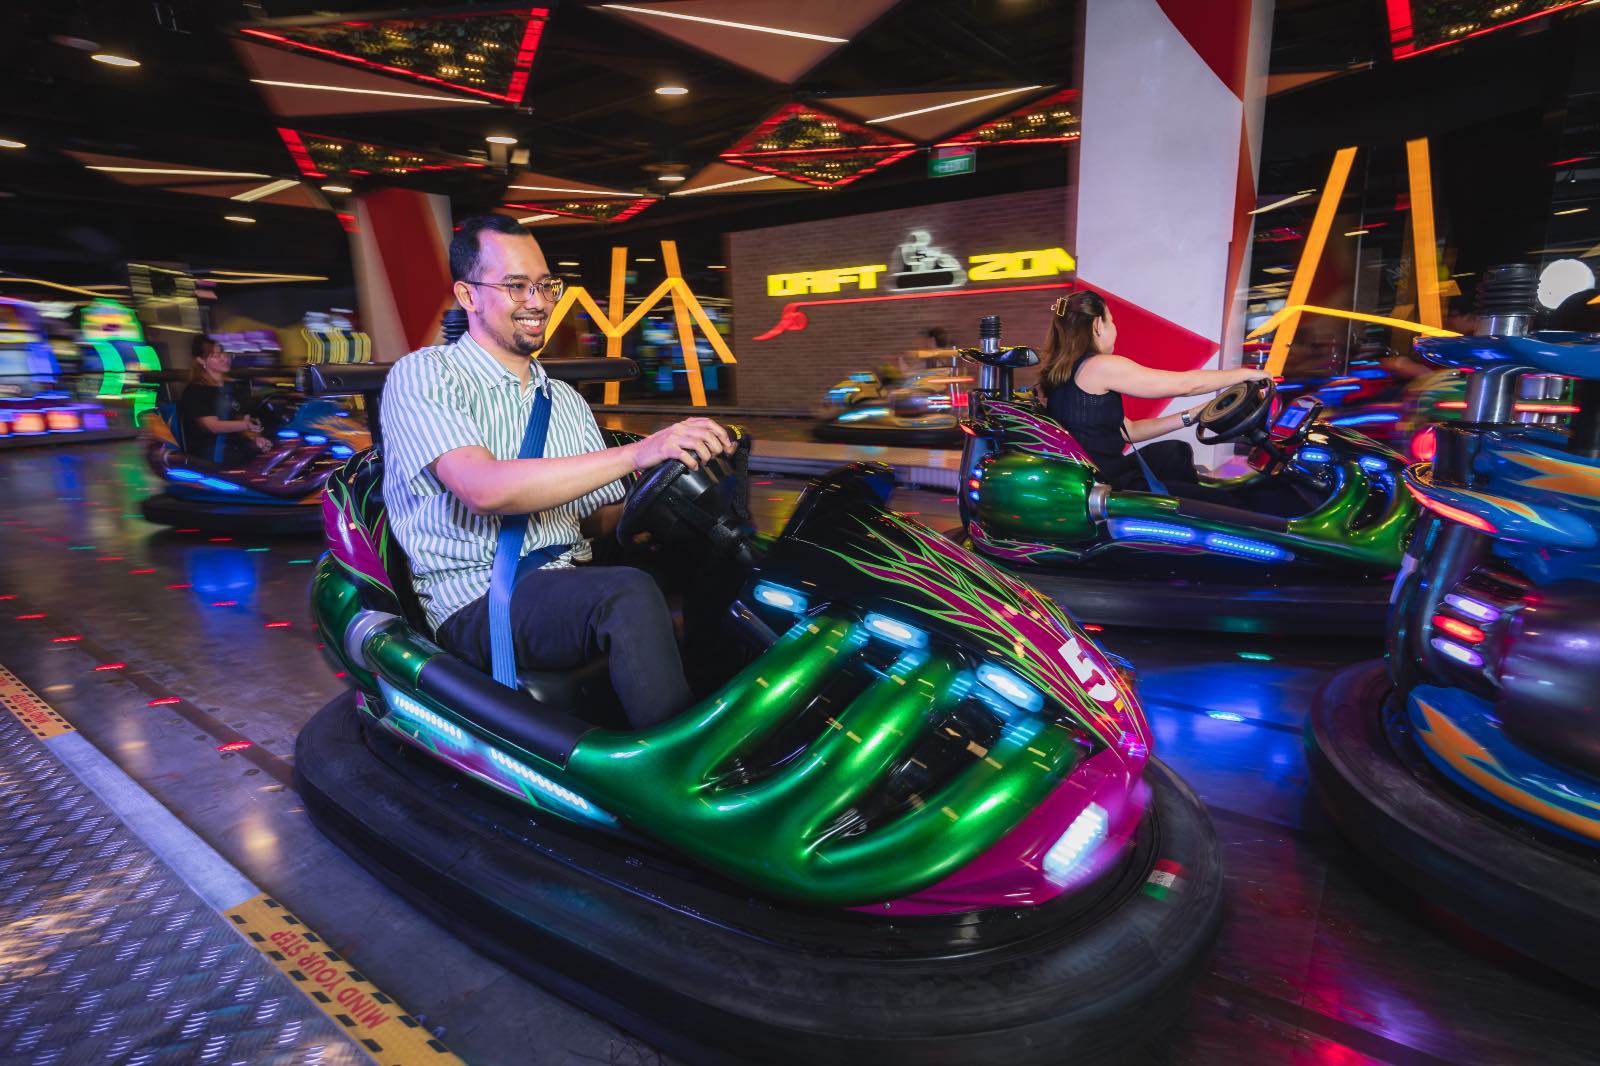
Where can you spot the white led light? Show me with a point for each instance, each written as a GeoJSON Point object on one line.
{"type": "Point", "coordinates": [725, 184]}
{"type": "Point", "coordinates": [955, 103]}
{"type": "Point", "coordinates": [539, 781]}
{"type": "Point", "coordinates": [1010, 686]}
{"type": "Point", "coordinates": [500, 138]}
{"type": "Point", "coordinates": [534, 218]}
{"type": "Point", "coordinates": [251, 195]}
{"type": "Point", "coordinates": [418, 713]}
{"type": "Point", "coordinates": [114, 61]}
{"type": "Point", "coordinates": [671, 90]}
{"type": "Point", "coordinates": [898, 632]}
{"type": "Point", "coordinates": [183, 171]}
{"type": "Point", "coordinates": [724, 22]}
{"type": "Point", "coordinates": [1562, 278]}
{"type": "Point", "coordinates": [1085, 833]}
{"type": "Point", "coordinates": [443, 98]}
{"type": "Point", "coordinates": [780, 597]}
{"type": "Point", "coordinates": [574, 192]}
{"type": "Point", "coordinates": [1474, 609]}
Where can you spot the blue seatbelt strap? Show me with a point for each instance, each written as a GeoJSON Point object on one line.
{"type": "Point", "coordinates": [1150, 478]}
{"type": "Point", "coordinates": [510, 566]}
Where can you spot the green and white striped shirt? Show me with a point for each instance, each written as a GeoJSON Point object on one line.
{"type": "Point", "coordinates": [455, 396]}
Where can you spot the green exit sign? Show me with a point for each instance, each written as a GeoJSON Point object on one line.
{"type": "Point", "coordinates": [945, 162]}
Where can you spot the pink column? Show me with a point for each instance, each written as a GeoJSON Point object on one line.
{"type": "Point", "coordinates": [1173, 94]}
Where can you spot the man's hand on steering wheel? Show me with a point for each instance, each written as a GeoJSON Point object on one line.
{"type": "Point", "coordinates": [691, 442]}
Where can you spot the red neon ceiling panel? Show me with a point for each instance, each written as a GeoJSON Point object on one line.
{"type": "Point", "coordinates": [1055, 118]}
{"type": "Point", "coordinates": [486, 53]}
{"type": "Point", "coordinates": [1415, 28]}
{"type": "Point", "coordinates": [321, 156]}
{"type": "Point", "coordinates": [587, 210]}
{"type": "Point", "coordinates": [813, 146]}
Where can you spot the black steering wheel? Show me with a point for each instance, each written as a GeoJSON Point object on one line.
{"type": "Point", "coordinates": [274, 410]}
{"type": "Point", "coordinates": [1237, 411]}
{"type": "Point", "coordinates": [691, 511]}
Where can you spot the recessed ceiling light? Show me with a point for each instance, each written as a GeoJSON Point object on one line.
{"type": "Point", "coordinates": [717, 266]}
{"type": "Point", "coordinates": [671, 177]}
{"type": "Point", "coordinates": [567, 263]}
{"type": "Point", "coordinates": [644, 259]}
{"type": "Point", "coordinates": [671, 90]}
{"type": "Point", "coordinates": [500, 138]}
{"type": "Point", "coordinates": [239, 218]}
{"type": "Point", "coordinates": [7, 142]}
{"type": "Point", "coordinates": [341, 189]}
{"type": "Point", "coordinates": [271, 188]}
{"type": "Point", "coordinates": [114, 60]}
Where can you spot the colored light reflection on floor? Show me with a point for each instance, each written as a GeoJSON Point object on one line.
{"type": "Point", "coordinates": [1255, 656]}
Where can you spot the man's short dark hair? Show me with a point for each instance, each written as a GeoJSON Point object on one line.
{"type": "Point", "coordinates": [464, 245]}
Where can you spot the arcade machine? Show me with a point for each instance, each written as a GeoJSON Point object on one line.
{"type": "Point", "coordinates": [114, 353]}
{"type": "Point", "coordinates": [34, 408]}
{"type": "Point", "coordinates": [330, 337]}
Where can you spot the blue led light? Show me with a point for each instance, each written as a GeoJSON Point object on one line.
{"type": "Point", "coordinates": [1138, 529]}
{"type": "Point", "coordinates": [181, 474]}
{"type": "Point", "coordinates": [896, 632]}
{"type": "Point", "coordinates": [1314, 455]}
{"type": "Point", "coordinates": [1245, 548]}
{"type": "Point", "coordinates": [1367, 420]}
{"type": "Point", "coordinates": [784, 599]}
{"type": "Point", "coordinates": [863, 375]}
{"type": "Point", "coordinates": [1339, 388]}
{"type": "Point", "coordinates": [1225, 716]}
{"type": "Point", "coordinates": [1371, 374]}
{"type": "Point", "coordinates": [342, 450]}
{"type": "Point", "coordinates": [1373, 465]}
{"type": "Point", "coordinates": [1012, 687]}
{"type": "Point", "coordinates": [288, 434]}
{"type": "Point", "coordinates": [973, 495]}
{"type": "Point", "coordinates": [1077, 844]}
{"type": "Point", "coordinates": [316, 438]}
{"type": "Point", "coordinates": [863, 412]}
{"type": "Point", "coordinates": [1460, 653]}
{"type": "Point", "coordinates": [220, 485]}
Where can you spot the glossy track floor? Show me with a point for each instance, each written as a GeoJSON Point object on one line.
{"type": "Point", "coordinates": [169, 650]}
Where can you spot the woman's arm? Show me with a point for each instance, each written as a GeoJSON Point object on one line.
{"type": "Point", "coordinates": [1116, 373]}
{"type": "Point", "coordinates": [1143, 429]}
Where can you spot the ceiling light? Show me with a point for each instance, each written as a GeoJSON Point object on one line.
{"type": "Point", "coordinates": [726, 184]}
{"type": "Point", "coordinates": [534, 218]}
{"type": "Point", "coordinates": [1572, 211]}
{"type": "Point", "coordinates": [113, 60]}
{"type": "Point", "coordinates": [1356, 232]}
{"type": "Point", "coordinates": [953, 103]}
{"type": "Point", "coordinates": [372, 92]}
{"type": "Point", "coordinates": [716, 266]}
{"type": "Point", "coordinates": [567, 263]}
{"type": "Point", "coordinates": [1277, 270]}
{"type": "Point", "coordinates": [724, 22]}
{"type": "Point", "coordinates": [1280, 203]}
{"type": "Point", "coordinates": [239, 218]}
{"type": "Point", "coordinates": [180, 171]}
{"type": "Point", "coordinates": [268, 189]}
{"type": "Point", "coordinates": [644, 259]}
{"type": "Point", "coordinates": [671, 90]}
{"type": "Point", "coordinates": [671, 177]}
{"type": "Point", "coordinates": [573, 192]}
{"type": "Point", "coordinates": [500, 138]}
{"type": "Point", "coordinates": [340, 189]}
{"type": "Point", "coordinates": [7, 142]}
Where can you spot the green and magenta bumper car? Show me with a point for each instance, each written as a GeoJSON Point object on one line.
{"type": "Point", "coordinates": [913, 816]}
{"type": "Point", "coordinates": [1469, 765]}
{"type": "Point", "coordinates": [1319, 562]}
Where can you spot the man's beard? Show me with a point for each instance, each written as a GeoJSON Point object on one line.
{"type": "Point", "coordinates": [516, 340]}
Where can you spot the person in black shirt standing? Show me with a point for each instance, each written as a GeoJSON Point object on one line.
{"type": "Point", "coordinates": [209, 411]}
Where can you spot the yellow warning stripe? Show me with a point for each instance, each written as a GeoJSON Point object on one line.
{"type": "Point", "coordinates": [40, 718]}
{"type": "Point", "coordinates": [373, 1020]}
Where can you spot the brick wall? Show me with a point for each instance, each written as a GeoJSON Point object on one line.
{"type": "Point", "coordinates": [792, 371]}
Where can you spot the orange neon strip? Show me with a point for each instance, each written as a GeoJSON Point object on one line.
{"type": "Point", "coordinates": [691, 357]}
{"type": "Point", "coordinates": [619, 284]}
{"type": "Point", "coordinates": [1311, 255]}
{"type": "Point", "coordinates": [1424, 242]}
{"type": "Point", "coordinates": [1360, 316]}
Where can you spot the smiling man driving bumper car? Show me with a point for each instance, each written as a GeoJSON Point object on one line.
{"type": "Point", "coordinates": [487, 512]}
{"type": "Point", "coordinates": [913, 816]}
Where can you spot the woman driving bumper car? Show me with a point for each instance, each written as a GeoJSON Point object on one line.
{"type": "Point", "coordinates": [209, 412]}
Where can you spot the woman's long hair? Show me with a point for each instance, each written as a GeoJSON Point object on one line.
{"type": "Point", "coordinates": [1071, 336]}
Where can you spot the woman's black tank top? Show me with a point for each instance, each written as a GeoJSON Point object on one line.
{"type": "Point", "coordinates": [1096, 422]}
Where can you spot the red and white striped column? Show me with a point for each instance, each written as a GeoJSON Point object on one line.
{"type": "Point", "coordinates": [400, 241]}
{"type": "Point", "coordinates": [1173, 96]}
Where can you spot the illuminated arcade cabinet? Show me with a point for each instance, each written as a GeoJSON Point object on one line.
{"type": "Point", "coordinates": [114, 353]}
{"type": "Point", "coordinates": [330, 337]}
{"type": "Point", "coordinates": [34, 408]}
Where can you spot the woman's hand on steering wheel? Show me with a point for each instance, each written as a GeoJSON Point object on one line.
{"type": "Point", "coordinates": [691, 442]}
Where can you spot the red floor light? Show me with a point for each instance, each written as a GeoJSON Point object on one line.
{"type": "Point", "coordinates": [277, 625]}
{"type": "Point", "coordinates": [65, 640]}
{"type": "Point", "coordinates": [30, 617]}
{"type": "Point", "coordinates": [164, 701]}
{"type": "Point", "coordinates": [1090, 627]}
{"type": "Point", "coordinates": [186, 531]}
{"type": "Point", "coordinates": [219, 540]}
{"type": "Point", "coordinates": [10, 597]}
{"type": "Point", "coordinates": [226, 603]}
{"type": "Point", "coordinates": [108, 559]}
{"type": "Point", "coordinates": [234, 745]}
{"type": "Point", "coordinates": [183, 586]}
{"type": "Point", "coordinates": [148, 570]}
{"type": "Point", "coordinates": [111, 666]}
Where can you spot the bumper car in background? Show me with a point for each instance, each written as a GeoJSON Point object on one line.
{"type": "Point", "coordinates": [1469, 766]}
{"type": "Point", "coordinates": [916, 411]}
{"type": "Point", "coordinates": [275, 493]}
{"type": "Point", "coordinates": [1320, 562]}
{"type": "Point", "coordinates": [913, 816]}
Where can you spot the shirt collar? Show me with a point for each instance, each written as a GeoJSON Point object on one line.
{"type": "Point", "coordinates": [472, 355]}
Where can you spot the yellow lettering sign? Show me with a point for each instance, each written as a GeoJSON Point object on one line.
{"type": "Point", "coordinates": [1003, 266]}
{"type": "Point", "coordinates": [814, 281]}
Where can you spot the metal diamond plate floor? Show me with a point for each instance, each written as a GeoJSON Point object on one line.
{"type": "Point", "coordinates": [106, 956]}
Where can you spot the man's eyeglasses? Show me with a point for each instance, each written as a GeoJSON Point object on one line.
{"type": "Point", "coordinates": [550, 288]}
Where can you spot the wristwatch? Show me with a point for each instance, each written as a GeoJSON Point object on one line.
{"type": "Point", "coordinates": [1188, 417]}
